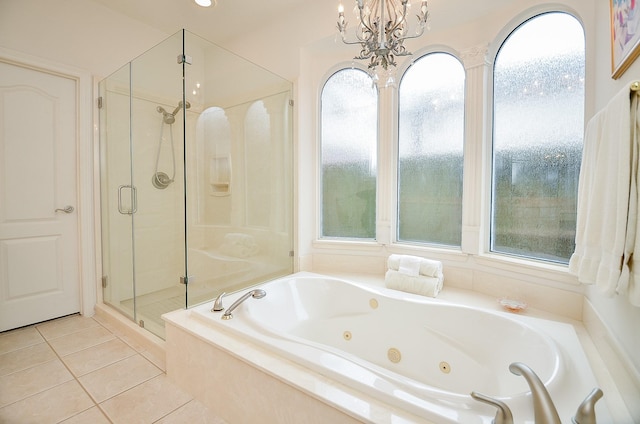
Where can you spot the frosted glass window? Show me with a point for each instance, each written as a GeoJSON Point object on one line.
{"type": "Point", "coordinates": [349, 135]}
{"type": "Point", "coordinates": [537, 138]}
{"type": "Point", "coordinates": [430, 151]}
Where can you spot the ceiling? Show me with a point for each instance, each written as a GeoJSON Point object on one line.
{"type": "Point", "coordinates": [227, 20]}
{"type": "Point", "coordinates": [230, 19]}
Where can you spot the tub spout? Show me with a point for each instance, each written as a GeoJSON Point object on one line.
{"type": "Point", "coordinates": [543, 408]}
{"type": "Point", "coordinates": [217, 305]}
{"type": "Point", "coordinates": [503, 414]}
{"type": "Point", "coordinates": [586, 413]}
{"type": "Point", "coordinates": [257, 294]}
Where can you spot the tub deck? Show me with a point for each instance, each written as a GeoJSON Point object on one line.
{"type": "Point", "coordinates": [275, 379]}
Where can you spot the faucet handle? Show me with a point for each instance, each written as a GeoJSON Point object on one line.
{"type": "Point", "coordinates": [586, 413]}
{"type": "Point", "coordinates": [217, 305]}
{"type": "Point", "coordinates": [503, 414]}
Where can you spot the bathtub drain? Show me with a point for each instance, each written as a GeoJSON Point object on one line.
{"type": "Point", "coordinates": [394, 355]}
{"type": "Point", "coordinates": [445, 367]}
{"type": "Point", "coordinates": [347, 335]}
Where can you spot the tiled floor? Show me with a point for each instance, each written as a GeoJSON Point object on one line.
{"type": "Point", "coordinates": [74, 370]}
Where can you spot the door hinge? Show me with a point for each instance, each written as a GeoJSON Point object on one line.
{"type": "Point", "coordinates": [100, 102]}
{"type": "Point", "coordinates": [104, 281]}
{"type": "Point", "coordinates": [291, 102]}
{"type": "Point", "coordinates": [187, 279]}
{"type": "Point", "coordinates": [291, 253]}
{"type": "Point", "coordinates": [183, 58]}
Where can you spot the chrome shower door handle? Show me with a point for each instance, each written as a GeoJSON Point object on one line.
{"type": "Point", "coordinates": [66, 209]}
{"type": "Point", "coordinates": [134, 200]}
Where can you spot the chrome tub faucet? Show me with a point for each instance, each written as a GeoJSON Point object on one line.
{"type": "Point", "coordinates": [543, 408]}
{"type": "Point", "coordinates": [256, 294]}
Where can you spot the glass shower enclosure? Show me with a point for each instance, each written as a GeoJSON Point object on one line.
{"type": "Point", "coordinates": [196, 170]}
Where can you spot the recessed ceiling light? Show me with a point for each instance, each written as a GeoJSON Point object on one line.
{"type": "Point", "coordinates": [203, 3]}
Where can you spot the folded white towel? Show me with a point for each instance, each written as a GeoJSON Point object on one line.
{"type": "Point", "coordinates": [239, 245]}
{"type": "Point", "coordinates": [426, 286]}
{"type": "Point", "coordinates": [409, 265]}
{"type": "Point", "coordinates": [427, 267]}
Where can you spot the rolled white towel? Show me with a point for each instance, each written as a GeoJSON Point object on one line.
{"type": "Point", "coordinates": [238, 251]}
{"type": "Point", "coordinates": [426, 286]}
{"type": "Point", "coordinates": [427, 267]}
{"type": "Point", "coordinates": [239, 239]}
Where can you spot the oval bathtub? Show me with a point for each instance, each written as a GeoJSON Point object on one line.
{"type": "Point", "coordinates": [419, 354]}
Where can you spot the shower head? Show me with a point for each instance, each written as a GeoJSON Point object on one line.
{"type": "Point", "coordinates": [170, 118]}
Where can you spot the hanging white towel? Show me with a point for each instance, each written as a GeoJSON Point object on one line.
{"type": "Point", "coordinates": [427, 267]}
{"type": "Point", "coordinates": [607, 199]}
{"type": "Point", "coordinates": [629, 281]}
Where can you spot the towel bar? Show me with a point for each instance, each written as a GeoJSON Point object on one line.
{"type": "Point", "coordinates": [635, 86]}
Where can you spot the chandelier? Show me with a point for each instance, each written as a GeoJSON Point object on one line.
{"type": "Point", "coordinates": [382, 46]}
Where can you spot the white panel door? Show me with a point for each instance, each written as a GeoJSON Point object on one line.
{"type": "Point", "coordinates": [39, 272]}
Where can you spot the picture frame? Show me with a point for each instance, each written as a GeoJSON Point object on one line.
{"type": "Point", "coordinates": [625, 35]}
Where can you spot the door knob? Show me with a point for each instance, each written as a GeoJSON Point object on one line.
{"type": "Point", "coordinates": [66, 209]}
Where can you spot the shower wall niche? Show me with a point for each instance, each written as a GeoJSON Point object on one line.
{"type": "Point", "coordinates": [196, 170]}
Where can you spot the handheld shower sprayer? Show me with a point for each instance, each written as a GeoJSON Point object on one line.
{"type": "Point", "coordinates": [161, 180]}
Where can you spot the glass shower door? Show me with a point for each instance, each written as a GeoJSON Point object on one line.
{"type": "Point", "coordinates": [157, 173]}
{"type": "Point", "coordinates": [143, 210]}
{"type": "Point", "coordinates": [117, 195]}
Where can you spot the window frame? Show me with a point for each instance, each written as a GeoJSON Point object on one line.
{"type": "Point", "coordinates": [474, 254]}
{"type": "Point", "coordinates": [493, 51]}
{"type": "Point", "coordinates": [319, 238]}
{"type": "Point", "coordinates": [395, 111]}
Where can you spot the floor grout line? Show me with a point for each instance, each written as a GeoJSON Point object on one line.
{"type": "Point", "coordinates": [91, 403]}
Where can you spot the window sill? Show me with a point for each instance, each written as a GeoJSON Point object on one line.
{"type": "Point", "coordinates": [353, 245]}
{"type": "Point", "coordinates": [536, 270]}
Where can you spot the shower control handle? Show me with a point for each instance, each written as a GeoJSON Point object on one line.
{"type": "Point", "coordinates": [503, 413]}
{"type": "Point", "coordinates": [66, 209]}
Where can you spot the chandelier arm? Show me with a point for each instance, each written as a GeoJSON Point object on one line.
{"type": "Point", "coordinates": [367, 27]}
{"type": "Point", "coordinates": [417, 34]}
{"type": "Point", "coordinates": [345, 41]}
{"type": "Point", "coordinates": [403, 19]}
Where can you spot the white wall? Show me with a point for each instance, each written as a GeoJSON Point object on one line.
{"type": "Point", "coordinates": [80, 33]}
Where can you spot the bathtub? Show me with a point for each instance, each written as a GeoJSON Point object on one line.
{"type": "Point", "coordinates": [416, 354]}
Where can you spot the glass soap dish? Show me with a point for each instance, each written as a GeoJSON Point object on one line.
{"type": "Point", "coordinates": [512, 305]}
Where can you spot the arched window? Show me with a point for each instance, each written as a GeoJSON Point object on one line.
{"type": "Point", "coordinates": [349, 136]}
{"type": "Point", "coordinates": [430, 151]}
{"type": "Point", "coordinates": [538, 114]}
